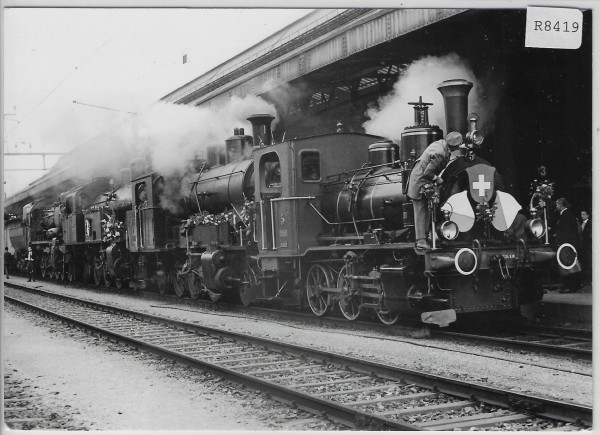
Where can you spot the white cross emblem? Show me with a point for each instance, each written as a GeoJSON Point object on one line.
{"type": "Point", "coordinates": [481, 185]}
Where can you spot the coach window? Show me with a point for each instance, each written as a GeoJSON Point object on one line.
{"type": "Point", "coordinates": [310, 165]}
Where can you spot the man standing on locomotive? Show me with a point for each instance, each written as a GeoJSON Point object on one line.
{"type": "Point", "coordinates": [426, 169]}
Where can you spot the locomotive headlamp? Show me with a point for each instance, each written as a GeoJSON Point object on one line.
{"type": "Point", "coordinates": [465, 261]}
{"type": "Point", "coordinates": [536, 227]}
{"type": "Point", "coordinates": [566, 256]}
{"type": "Point", "coordinates": [447, 230]}
{"type": "Point", "coordinates": [474, 137]}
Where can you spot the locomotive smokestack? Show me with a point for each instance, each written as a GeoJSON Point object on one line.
{"type": "Point", "coordinates": [456, 93]}
{"type": "Point", "coordinates": [261, 129]}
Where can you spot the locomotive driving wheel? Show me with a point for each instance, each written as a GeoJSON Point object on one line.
{"type": "Point", "coordinates": [349, 303]}
{"type": "Point", "coordinates": [161, 282]}
{"type": "Point", "coordinates": [179, 281]}
{"type": "Point", "coordinates": [247, 286]}
{"type": "Point", "coordinates": [317, 278]}
{"type": "Point", "coordinates": [88, 272]}
{"type": "Point", "coordinates": [72, 268]}
{"type": "Point", "coordinates": [195, 285]}
{"type": "Point", "coordinates": [387, 317]}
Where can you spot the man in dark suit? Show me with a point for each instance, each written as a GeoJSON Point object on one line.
{"type": "Point", "coordinates": [567, 231]}
{"type": "Point", "coordinates": [586, 246]}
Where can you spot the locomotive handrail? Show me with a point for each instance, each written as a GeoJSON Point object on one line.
{"type": "Point", "coordinates": [367, 168]}
{"type": "Point", "coordinates": [341, 223]}
{"type": "Point", "coordinates": [291, 198]}
{"type": "Point", "coordinates": [216, 177]}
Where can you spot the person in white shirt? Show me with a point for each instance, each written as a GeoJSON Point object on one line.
{"type": "Point", "coordinates": [30, 261]}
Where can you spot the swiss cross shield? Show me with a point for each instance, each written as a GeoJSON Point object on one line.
{"type": "Point", "coordinates": [481, 182]}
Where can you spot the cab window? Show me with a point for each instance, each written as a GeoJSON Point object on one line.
{"type": "Point", "coordinates": [310, 165]}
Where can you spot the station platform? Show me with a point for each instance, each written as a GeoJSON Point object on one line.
{"type": "Point", "coordinates": [569, 308]}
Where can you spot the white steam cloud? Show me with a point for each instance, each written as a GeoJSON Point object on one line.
{"type": "Point", "coordinates": [421, 78]}
{"type": "Point", "coordinates": [173, 135]}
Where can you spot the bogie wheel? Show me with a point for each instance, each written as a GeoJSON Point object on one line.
{"type": "Point", "coordinates": [387, 317]}
{"type": "Point", "coordinates": [195, 285]}
{"type": "Point", "coordinates": [349, 303]}
{"type": "Point", "coordinates": [98, 271]}
{"type": "Point", "coordinates": [317, 278]}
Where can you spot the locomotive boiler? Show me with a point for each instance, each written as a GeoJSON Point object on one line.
{"type": "Point", "coordinates": [321, 222]}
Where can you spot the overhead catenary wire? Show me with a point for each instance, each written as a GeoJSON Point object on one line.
{"type": "Point", "coordinates": [68, 76]}
{"type": "Point", "coordinates": [102, 107]}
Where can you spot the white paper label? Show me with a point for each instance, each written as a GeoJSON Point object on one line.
{"type": "Point", "coordinates": [553, 28]}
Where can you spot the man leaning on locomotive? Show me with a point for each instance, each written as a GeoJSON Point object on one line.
{"type": "Point", "coordinates": [427, 169]}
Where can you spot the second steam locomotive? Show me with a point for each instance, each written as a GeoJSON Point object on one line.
{"type": "Point", "coordinates": [317, 222]}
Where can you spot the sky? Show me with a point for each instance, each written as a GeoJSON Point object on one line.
{"type": "Point", "coordinates": [111, 62]}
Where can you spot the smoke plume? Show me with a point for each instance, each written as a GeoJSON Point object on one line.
{"type": "Point", "coordinates": [421, 78]}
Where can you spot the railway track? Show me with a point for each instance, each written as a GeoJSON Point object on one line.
{"type": "Point", "coordinates": [348, 391]}
{"type": "Point", "coordinates": [572, 343]}
{"type": "Point", "coordinates": [555, 341]}
{"type": "Point", "coordinates": [547, 340]}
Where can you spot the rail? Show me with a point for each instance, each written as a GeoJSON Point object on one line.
{"type": "Point", "coordinates": [351, 391]}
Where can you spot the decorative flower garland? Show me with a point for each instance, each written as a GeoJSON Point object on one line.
{"type": "Point", "coordinates": [247, 213]}
{"type": "Point", "coordinates": [431, 191]}
{"type": "Point", "coordinates": [485, 212]}
{"type": "Point", "coordinates": [205, 218]}
{"type": "Point", "coordinates": [111, 228]}
{"type": "Point", "coordinates": [543, 192]}
{"type": "Point", "coordinates": [103, 208]}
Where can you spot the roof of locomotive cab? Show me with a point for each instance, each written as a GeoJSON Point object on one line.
{"type": "Point", "coordinates": [300, 141]}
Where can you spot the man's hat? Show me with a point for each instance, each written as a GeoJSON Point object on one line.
{"type": "Point", "coordinates": [454, 139]}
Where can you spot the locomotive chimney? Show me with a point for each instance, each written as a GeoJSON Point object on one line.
{"type": "Point", "coordinates": [456, 93]}
{"type": "Point", "coordinates": [238, 146]}
{"type": "Point", "coordinates": [261, 129]}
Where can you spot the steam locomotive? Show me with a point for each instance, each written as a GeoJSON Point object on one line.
{"type": "Point", "coordinates": [317, 222]}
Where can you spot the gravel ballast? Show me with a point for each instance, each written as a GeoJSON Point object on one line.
{"type": "Point", "coordinates": [543, 376]}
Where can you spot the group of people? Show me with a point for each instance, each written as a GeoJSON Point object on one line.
{"type": "Point", "coordinates": [8, 261]}
{"type": "Point", "coordinates": [579, 234]}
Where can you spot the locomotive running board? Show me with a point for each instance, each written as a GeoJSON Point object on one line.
{"type": "Point", "coordinates": [441, 318]}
